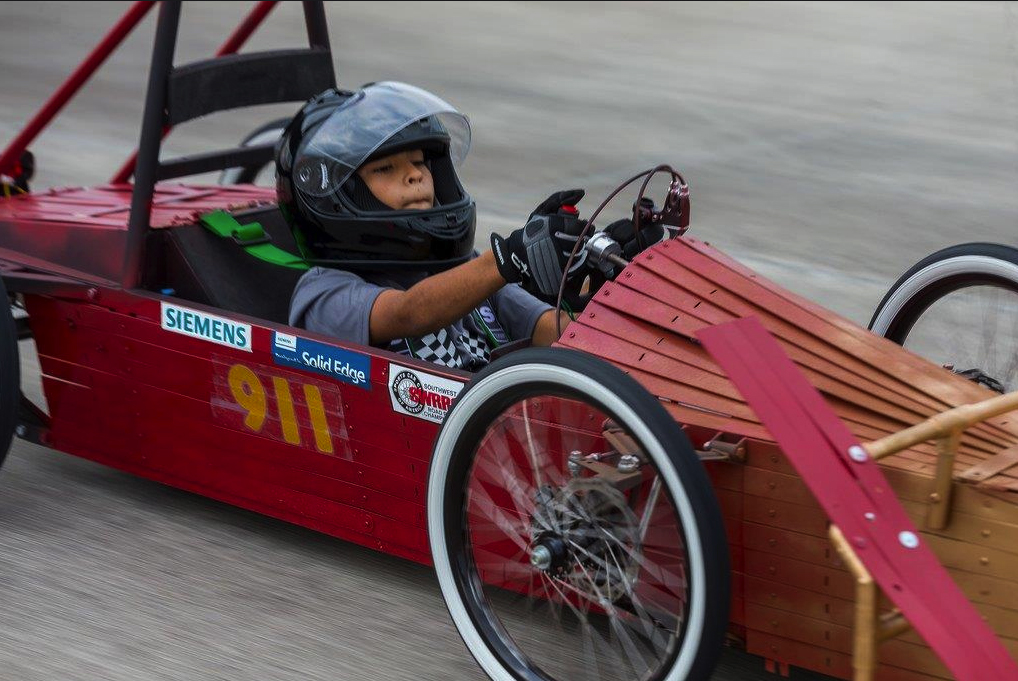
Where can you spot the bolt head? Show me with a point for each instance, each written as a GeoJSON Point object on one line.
{"type": "Point", "coordinates": [628, 463]}
{"type": "Point", "coordinates": [540, 558]}
{"type": "Point", "coordinates": [858, 454]}
{"type": "Point", "coordinates": [908, 539]}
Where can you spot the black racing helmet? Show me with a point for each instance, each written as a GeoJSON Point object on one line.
{"type": "Point", "coordinates": [335, 218]}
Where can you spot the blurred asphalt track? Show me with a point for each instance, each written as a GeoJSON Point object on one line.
{"type": "Point", "coordinates": [827, 145]}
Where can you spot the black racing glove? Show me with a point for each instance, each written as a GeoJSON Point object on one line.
{"type": "Point", "coordinates": [536, 254]}
{"type": "Point", "coordinates": [554, 203]}
{"type": "Point", "coordinates": [623, 232]}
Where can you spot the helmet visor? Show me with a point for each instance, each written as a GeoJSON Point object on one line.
{"type": "Point", "coordinates": [327, 158]}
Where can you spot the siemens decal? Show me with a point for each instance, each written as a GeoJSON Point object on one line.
{"type": "Point", "coordinates": [206, 327]}
{"type": "Point", "coordinates": [302, 353]}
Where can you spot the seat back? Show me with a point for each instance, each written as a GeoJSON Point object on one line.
{"type": "Point", "coordinates": [182, 93]}
{"type": "Point", "coordinates": [197, 265]}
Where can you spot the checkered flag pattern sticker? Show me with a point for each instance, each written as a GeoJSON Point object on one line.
{"type": "Point", "coordinates": [472, 351]}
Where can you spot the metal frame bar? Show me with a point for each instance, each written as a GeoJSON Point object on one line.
{"type": "Point", "coordinates": [232, 44]}
{"type": "Point", "coordinates": [11, 155]}
{"type": "Point", "coordinates": [153, 122]}
{"type": "Point", "coordinates": [151, 135]}
{"type": "Point", "coordinates": [314, 21]}
{"type": "Point", "coordinates": [215, 160]}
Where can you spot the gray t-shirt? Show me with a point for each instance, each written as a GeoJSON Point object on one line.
{"type": "Point", "coordinates": [338, 303]}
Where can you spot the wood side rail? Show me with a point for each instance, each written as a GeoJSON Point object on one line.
{"type": "Point", "coordinates": [869, 629]}
{"type": "Point", "coordinates": [946, 428]}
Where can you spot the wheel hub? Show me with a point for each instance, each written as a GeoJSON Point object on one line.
{"type": "Point", "coordinates": [540, 557]}
{"type": "Point", "coordinates": [550, 554]}
{"type": "Point", "coordinates": [585, 533]}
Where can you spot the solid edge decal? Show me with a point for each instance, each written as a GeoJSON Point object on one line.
{"type": "Point", "coordinates": [308, 355]}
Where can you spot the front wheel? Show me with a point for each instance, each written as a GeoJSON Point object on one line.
{"type": "Point", "coordinates": [574, 531]}
{"type": "Point", "coordinates": [958, 308]}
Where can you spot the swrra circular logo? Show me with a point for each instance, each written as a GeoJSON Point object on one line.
{"type": "Point", "coordinates": [402, 385]}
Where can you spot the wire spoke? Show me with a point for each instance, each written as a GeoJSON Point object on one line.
{"type": "Point", "coordinates": [498, 516]}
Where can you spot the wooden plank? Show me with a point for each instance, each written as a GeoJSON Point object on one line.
{"type": "Point", "coordinates": [804, 547]}
{"type": "Point", "coordinates": [995, 465]}
{"type": "Point", "coordinates": [828, 607]}
{"type": "Point", "coordinates": [880, 353]}
{"type": "Point", "coordinates": [817, 579]}
{"type": "Point", "coordinates": [832, 663]}
{"type": "Point", "coordinates": [829, 636]}
{"type": "Point", "coordinates": [785, 515]}
{"type": "Point", "coordinates": [855, 495]}
{"type": "Point", "coordinates": [775, 305]}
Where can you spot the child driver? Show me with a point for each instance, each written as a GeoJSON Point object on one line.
{"type": "Point", "coordinates": [367, 182]}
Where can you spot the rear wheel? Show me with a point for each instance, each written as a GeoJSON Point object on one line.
{"type": "Point", "coordinates": [959, 308]}
{"type": "Point", "coordinates": [10, 376]}
{"type": "Point", "coordinates": [574, 531]}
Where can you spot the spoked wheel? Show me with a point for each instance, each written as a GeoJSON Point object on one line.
{"type": "Point", "coordinates": [10, 376]}
{"type": "Point", "coordinates": [574, 531]}
{"type": "Point", "coordinates": [959, 308]}
{"type": "Point", "coordinates": [261, 174]}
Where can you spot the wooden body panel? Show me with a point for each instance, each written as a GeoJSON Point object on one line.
{"type": "Point", "coordinates": [83, 232]}
{"type": "Point", "coordinates": [796, 595]}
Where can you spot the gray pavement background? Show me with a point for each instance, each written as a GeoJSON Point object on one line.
{"type": "Point", "coordinates": [827, 145]}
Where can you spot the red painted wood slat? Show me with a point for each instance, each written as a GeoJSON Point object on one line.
{"type": "Point", "coordinates": [817, 442]}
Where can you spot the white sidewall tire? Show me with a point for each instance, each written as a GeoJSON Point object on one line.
{"type": "Point", "coordinates": [936, 272]}
{"type": "Point", "coordinates": [491, 386]}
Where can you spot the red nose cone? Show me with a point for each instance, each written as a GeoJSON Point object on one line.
{"type": "Point", "coordinates": [572, 210]}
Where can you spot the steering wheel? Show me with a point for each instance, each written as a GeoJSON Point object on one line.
{"type": "Point", "coordinates": [602, 255]}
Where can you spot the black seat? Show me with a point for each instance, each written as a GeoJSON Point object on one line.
{"type": "Point", "coordinates": [190, 262]}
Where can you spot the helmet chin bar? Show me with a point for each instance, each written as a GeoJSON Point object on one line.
{"type": "Point", "coordinates": [434, 240]}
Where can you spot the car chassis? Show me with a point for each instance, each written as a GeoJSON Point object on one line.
{"type": "Point", "coordinates": [696, 457]}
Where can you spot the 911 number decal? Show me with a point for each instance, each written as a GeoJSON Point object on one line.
{"type": "Point", "coordinates": [279, 405]}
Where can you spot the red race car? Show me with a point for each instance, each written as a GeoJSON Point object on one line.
{"type": "Point", "coordinates": [612, 507]}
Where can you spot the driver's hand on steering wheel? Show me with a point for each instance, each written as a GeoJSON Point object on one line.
{"type": "Point", "coordinates": [536, 254]}
{"type": "Point", "coordinates": [624, 232]}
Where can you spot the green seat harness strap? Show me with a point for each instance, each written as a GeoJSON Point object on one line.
{"type": "Point", "coordinates": [252, 238]}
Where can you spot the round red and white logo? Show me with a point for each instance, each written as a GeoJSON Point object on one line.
{"type": "Point", "coordinates": [405, 388]}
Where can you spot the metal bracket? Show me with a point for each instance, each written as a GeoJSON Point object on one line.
{"type": "Point", "coordinates": [33, 423]}
{"type": "Point", "coordinates": [724, 447]}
